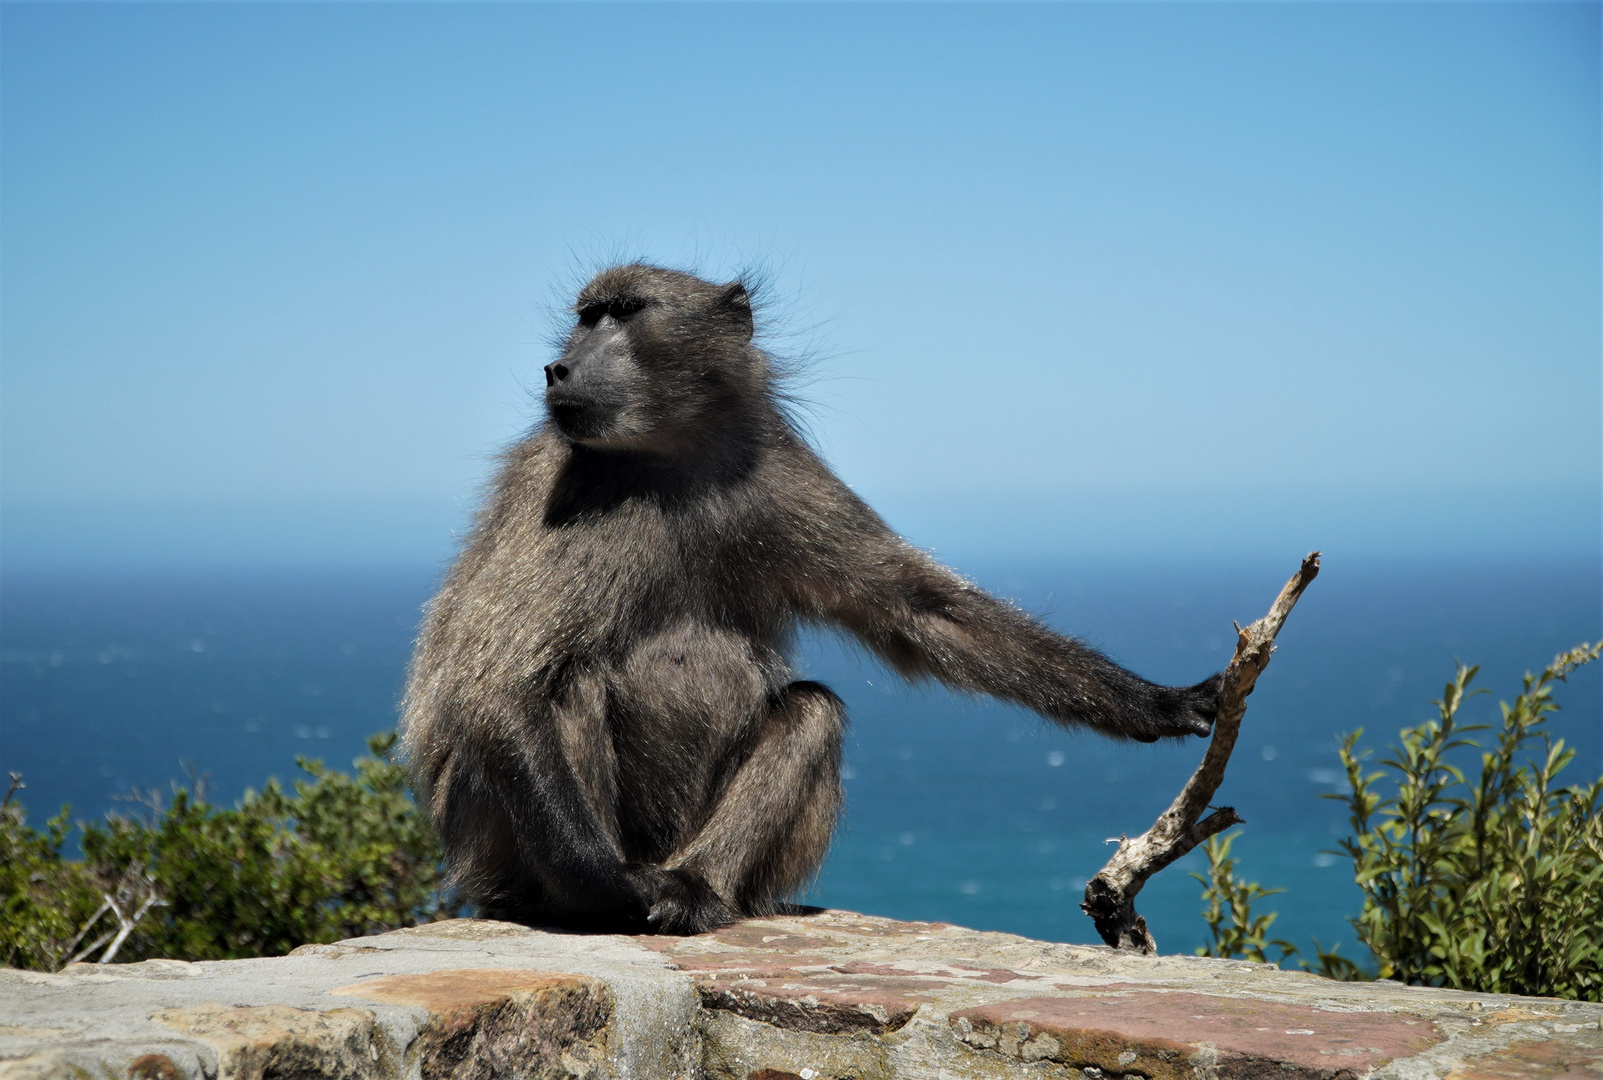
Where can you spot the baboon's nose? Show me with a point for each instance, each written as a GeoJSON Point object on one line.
{"type": "Point", "coordinates": [555, 373]}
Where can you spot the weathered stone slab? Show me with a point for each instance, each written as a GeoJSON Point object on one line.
{"type": "Point", "coordinates": [832, 1005]}
{"type": "Point", "coordinates": [1166, 1036]}
{"type": "Point", "coordinates": [1578, 1055]}
{"type": "Point", "coordinates": [489, 1022]}
{"type": "Point", "coordinates": [828, 996]}
{"type": "Point", "coordinates": [252, 1042]}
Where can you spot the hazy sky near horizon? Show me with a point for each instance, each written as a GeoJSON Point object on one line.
{"type": "Point", "coordinates": [1159, 268]}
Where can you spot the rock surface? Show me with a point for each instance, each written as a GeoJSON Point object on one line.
{"type": "Point", "coordinates": [832, 995]}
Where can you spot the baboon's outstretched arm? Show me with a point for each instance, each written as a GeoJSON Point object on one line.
{"type": "Point", "coordinates": [925, 620]}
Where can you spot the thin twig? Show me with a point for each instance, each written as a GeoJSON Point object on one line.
{"type": "Point", "coordinates": [135, 885]}
{"type": "Point", "coordinates": [88, 925]}
{"type": "Point", "coordinates": [91, 947]}
{"type": "Point", "coordinates": [151, 900]}
{"type": "Point", "coordinates": [1110, 896]}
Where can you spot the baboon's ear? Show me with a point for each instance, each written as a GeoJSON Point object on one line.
{"type": "Point", "coordinates": [738, 305]}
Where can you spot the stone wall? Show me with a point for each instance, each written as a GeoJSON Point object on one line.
{"type": "Point", "coordinates": [834, 995]}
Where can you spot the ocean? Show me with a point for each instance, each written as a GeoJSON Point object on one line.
{"type": "Point", "coordinates": [958, 809]}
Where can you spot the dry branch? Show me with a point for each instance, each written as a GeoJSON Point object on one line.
{"type": "Point", "coordinates": [1110, 896]}
{"type": "Point", "coordinates": [133, 896]}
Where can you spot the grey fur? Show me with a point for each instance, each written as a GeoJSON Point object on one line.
{"type": "Point", "coordinates": [599, 715]}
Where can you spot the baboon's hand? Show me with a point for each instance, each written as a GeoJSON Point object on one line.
{"type": "Point", "coordinates": [685, 904]}
{"type": "Point", "coordinates": [1185, 710]}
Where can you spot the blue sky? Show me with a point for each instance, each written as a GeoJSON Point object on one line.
{"type": "Point", "coordinates": [276, 281]}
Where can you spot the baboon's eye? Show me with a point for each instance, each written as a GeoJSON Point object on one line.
{"type": "Point", "coordinates": [622, 310]}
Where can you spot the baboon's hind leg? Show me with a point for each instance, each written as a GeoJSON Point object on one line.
{"type": "Point", "coordinates": [771, 828]}
{"type": "Point", "coordinates": [481, 846]}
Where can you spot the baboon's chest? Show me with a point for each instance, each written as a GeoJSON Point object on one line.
{"type": "Point", "coordinates": [642, 573]}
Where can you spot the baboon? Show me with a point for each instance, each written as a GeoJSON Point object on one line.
{"type": "Point", "coordinates": [599, 715]}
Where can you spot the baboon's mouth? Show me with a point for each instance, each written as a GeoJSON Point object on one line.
{"type": "Point", "coordinates": [580, 419]}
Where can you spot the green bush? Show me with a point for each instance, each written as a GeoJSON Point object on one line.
{"type": "Point", "coordinates": [44, 899]}
{"type": "Point", "coordinates": [338, 855]}
{"type": "Point", "coordinates": [1493, 883]}
{"type": "Point", "coordinates": [1234, 932]}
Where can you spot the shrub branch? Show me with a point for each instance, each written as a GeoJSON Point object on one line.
{"type": "Point", "coordinates": [1110, 896]}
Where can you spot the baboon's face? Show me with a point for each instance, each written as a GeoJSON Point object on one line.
{"type": "Point", "coordinates": [654, 359]}
{"type": "Point", "coordinates": [594, 392]}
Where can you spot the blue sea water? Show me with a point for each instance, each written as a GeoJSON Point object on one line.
{"type": "Point", "coordinates": [958, 809]}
